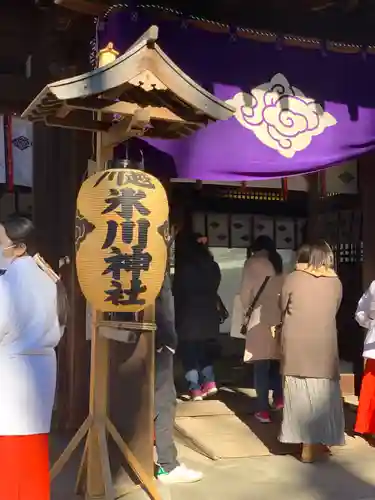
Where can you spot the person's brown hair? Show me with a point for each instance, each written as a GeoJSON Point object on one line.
{"type": "Point", "coordinates": [303, 254]}
{"type": "Point", "coordinates": [316, 255]}
{"type": "Point", "coordinates": [266, 243]}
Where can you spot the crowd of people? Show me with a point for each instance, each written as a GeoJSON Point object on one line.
{"type": "Point", "coordinates": [288, 322]}
{"type": "Point", "coordinates": [289, 325]}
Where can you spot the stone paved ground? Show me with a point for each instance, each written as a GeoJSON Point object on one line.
{"type": "Point", "coordinates": [350, 475]}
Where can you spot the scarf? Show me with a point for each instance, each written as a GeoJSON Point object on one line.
{"type": "Point", "coordinates": [319, 272]}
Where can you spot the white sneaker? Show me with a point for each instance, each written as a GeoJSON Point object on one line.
{"type": "Point", "coordinates": [180, 475]}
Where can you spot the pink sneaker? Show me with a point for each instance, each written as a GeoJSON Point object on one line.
{"type": "Point", "coordinates": [196, 395]}
{"type": "Point", "coordinates": [263, 417]}
{"type": "Point", "coordinates": [209, 389]}
{"type": "Point", "coordinates": [278, 405]}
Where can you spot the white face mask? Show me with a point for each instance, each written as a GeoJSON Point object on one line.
{"type": "Point", "coordinates": [5, 261]}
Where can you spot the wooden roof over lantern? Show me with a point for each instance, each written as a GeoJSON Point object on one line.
{"type": "Point", "coordinates": [145, 90]}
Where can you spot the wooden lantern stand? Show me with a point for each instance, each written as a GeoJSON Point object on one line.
{"type": "Point", "coordinates": [169, 105]}
{"type": "Point", "coordinates": [95, 465]}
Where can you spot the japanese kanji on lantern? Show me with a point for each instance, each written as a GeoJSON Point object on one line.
{"type": "Point", "coordinates": [121, 239]}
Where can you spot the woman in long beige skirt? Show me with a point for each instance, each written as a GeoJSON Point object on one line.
{"type": "Point", "coordinates": [313, 411]}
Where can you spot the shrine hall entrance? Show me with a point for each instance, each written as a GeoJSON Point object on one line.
{"type": "Point", "coordinates": [231, 216]}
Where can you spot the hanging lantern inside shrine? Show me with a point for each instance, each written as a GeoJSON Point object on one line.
{"type": "Point", "coordinates": [121, 239]}
{"type": "Point", "coordinates": [107, 55]}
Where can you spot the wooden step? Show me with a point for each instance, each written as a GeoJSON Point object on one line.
{"type": "Point", "coordinates": [227, 436]}
{"type": "Point", "coordinates": [226, 428]}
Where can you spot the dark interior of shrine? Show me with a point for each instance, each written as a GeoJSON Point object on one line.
{"type": "Point", "coordinates": [210, 209]}
{"type": "Point", "coordinates": [340, 20]}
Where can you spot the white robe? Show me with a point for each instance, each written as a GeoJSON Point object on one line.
{"type": "Point", "coordinates": [365, 317]}
{"type": "Point", "coordinates": [29, 332]}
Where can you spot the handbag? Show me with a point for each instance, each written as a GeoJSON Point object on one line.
{"type": "Point", "coordinates": [237, 318]}
{"type": "Point", "coordinates": [276, 330]}
{"type": "Point", "coordinates": [252, 306]}
{"type": "Point", "coordinates": [222, 310]}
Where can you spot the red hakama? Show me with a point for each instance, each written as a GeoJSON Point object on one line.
{"type": "Point", "coordinates": [365, 423]}
{"type": "Point", "coordinates": [24, 467]}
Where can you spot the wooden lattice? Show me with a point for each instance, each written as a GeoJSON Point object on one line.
{"type": "Point", "coordinates": [256, 195]}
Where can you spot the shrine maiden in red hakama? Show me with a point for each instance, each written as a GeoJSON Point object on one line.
{"type": "Point", "coordinates": [29, 333]}
{"type": "Point", "coordinates": [365, 316]}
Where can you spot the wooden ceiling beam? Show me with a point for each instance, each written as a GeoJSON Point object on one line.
{"type": "Point", "coordinates": [88, 7]}
{"type": "Point", "coordinates": [121, 108]}
{"type": "Point", "coordinates": [77, 123]}
{"type": "Point", "coordinates": [129, 127]}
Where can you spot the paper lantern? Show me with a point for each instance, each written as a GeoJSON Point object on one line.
{"type": "Point", "coordinates": [121, 239]}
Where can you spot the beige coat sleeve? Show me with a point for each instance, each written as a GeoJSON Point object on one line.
{"type": "Point", "coordinates": [286, 292]}
{"type": "Point", "coordinates": [248, 283]}
{"type": "Point", "coordinates": [245, 289]}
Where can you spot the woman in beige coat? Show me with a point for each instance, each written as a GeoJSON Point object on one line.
{"type": "Point", "coordinates": [263, 271]}
{"type": "Point", "coordinates": [313, 411]}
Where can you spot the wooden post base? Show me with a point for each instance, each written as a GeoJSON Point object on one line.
{"type": "Point", "coordinates": [99, 431]}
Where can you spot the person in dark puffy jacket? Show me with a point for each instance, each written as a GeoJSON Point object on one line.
{"type": "Point", "coordinates": [195, 289]}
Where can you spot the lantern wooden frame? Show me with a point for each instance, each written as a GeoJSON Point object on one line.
{"type": "Point", "coordinates": [154, 98]}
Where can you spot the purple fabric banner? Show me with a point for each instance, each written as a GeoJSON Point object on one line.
{"type": "Point", "coordinates": [297, 110]}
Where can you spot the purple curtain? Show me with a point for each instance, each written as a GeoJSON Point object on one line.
{"type": "Point", "coordinates": [297, 110]}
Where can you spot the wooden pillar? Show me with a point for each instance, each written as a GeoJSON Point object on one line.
{"type": "Point", "coordinates": [313, 206]}
{"type": "Point", "coordinates": [59, 166]}
{"type": "Point", "coordinates": [366, 170]}
{"type": "Point", "coordinates": [60, 162]}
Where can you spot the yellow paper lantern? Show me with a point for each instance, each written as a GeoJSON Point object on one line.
{"type": "Point", "coordinates": [107, 55]}
{"type": "Point", "coordinates": [121, 239]}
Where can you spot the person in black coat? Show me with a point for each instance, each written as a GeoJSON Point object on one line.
{"type": "Point", "coordinates": [169, 470]}
{"type": "Point", "coordinates": [195, 289]}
